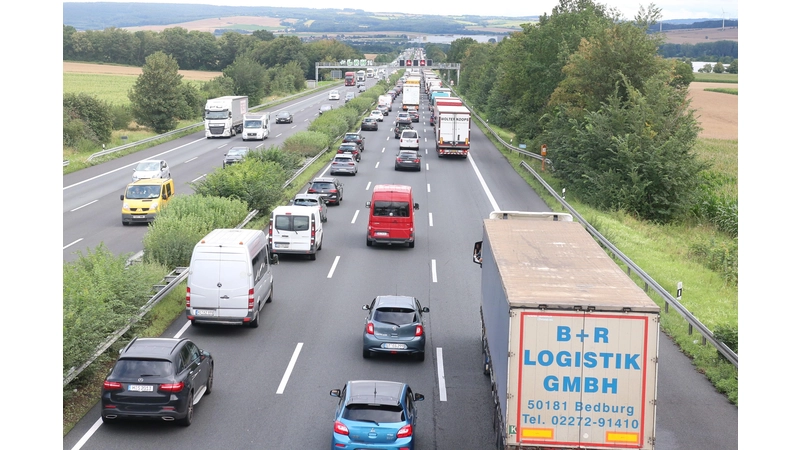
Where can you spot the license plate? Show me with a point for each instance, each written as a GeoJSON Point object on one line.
{"type": "Point", "coordinates": [381, 233]}
{"type": "Point", "coordinates": [139, 217]}
{"type": "Point", "coordinates": [203, 312]}
{"type": "Point", "coordinates": [278, 245]}
{"type": "Point", "coordinates": [397, 346]}
{"type": "Point", "coordinates": [140, 388]}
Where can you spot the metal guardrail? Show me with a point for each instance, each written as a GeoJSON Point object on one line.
{"type": "Point", "coordinates": [669, 300]}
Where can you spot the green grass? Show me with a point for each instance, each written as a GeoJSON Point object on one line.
{"type": "Point", "coordinates": [111, 88]}
{"type": "Point", "coordinates": [717, 77]}
{"type": "Point", "coordinates": [724, 90]}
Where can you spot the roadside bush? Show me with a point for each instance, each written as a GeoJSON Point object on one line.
{"type": "Point", "coordinates": [183, 222]}
{"type": "Point", "coordinates": [122, 116]}
{"type": "Point", "coordinates": [333, 123]}
{"type": "Point", "coordinates": [100, 295]}
{"type": "Point", "coordinates": [720, 257]}
{"type": "Point", "coordinates": [289, 161]}
{"type": "Point", "coordinates": [729, 335]}
{"type": "Point", "coordinates": [257, 183]}
{"type": "Point", "coordinates": [95, 113]}
{"type": "Point", "coordinates": [306, 143]}
{"type": "Point", "coordinates": [361, 105]}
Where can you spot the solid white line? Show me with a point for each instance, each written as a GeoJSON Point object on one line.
{"type": "Point", "coordinates": [291, 366]}
{"type": "Point", "coordinates": [131, 165]}
{"type": "Point", "coordinates": [183, 329]}
{"type": "Point", "coordinates": [190, 160]}
{"type": "Point", "coordinates": [430, 219]}
{"type": "Point", "coordinates": [79, 207]}
{"type": "Point", "coordinates": [88, 434]}
{"type": "Point", "coordinates": [199, 178]}
{"type": "Point", "coordinates": [333, 267]}
{"type": "Point", "coordinates": [433, 270]}
{"type": "Point", "coordinates": [440, 370]}
{"type": "Point", "coordinates": [483, 183]}
{"type": "Point", "coordinates": [355, 216]}
{"type": "Point", "coordinates": [72, 243]}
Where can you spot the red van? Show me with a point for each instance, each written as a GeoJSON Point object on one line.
{"type": "Point", "coordinates": [391, 215]}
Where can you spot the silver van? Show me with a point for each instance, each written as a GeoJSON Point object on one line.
{"type": "Point", "coordinates": [230, 278]}
{"type": "Point", "coordinates": [295, 230]}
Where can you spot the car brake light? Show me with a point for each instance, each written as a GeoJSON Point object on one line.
{"type": "Point", "coordinates": [171, 387]}
{"type": "Point", "coordinates": [418, 331]}
{"type": "Point", "coordinates": [340, 428]}
{"type": "Point", "coordinates": [188, 297]}
{"type": "Point", "coordinates": [370, 328]}
{"type": "Point", "coordinates": [112, 385]}
{"type": "Point", "coordinates": [406, 431]}
{"type": "Point", "coordinates": [251, 299]}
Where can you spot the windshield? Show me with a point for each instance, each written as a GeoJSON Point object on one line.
{"type": "Point", "coordinates": [143, 192]}
{"type": "Point", "coordinates": [237, 151]}
{"type": "Point", "coordinates": [252, 124]}
{"type": "Point", "coordinates": [147, 166]}
{"type": "Point", "coordinates": [216, 115]}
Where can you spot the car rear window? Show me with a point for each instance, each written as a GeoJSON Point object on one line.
{"type": "Point", "coordinates": [322, 186]}
{"type": "Point", "coordinates": [292, 223]}
{"type": "Point", "coordinates": [395, 316]}
{"type": "Point", "coordinates": [344, 160]}
{"type": "Point", "coordinates": [395, 209]}
{"type": "Point", "coordinates": [140, 368]}
{"type": "Point", "coordinates": [409, 134]}
{"type": "Point", "coordinates": [374, 413]}
{"type": "Point", "coordinates": [305, 202]}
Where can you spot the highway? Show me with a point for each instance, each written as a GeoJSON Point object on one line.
{"type": "Point", "coordinates": [272, 384]}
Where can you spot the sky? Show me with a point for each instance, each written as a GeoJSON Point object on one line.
{"type": "Point", "coordinates": [671, 9]}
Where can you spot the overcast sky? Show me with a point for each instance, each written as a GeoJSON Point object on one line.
{"type": "Point", "coordinates": [671, 9]}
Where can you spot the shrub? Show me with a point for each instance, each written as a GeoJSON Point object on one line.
{"type": "Point", "coordinates": [306, 143]}
{"type": "Point", "coordinates": [95, 113]}
{"type": "Point", "coordinates": [333, 123]}
{"type": "Point", "coordinates": [289, 161]}
{"type": "Point", "coordinates": [729, 335]}
{"type": "Point", "coordinates": [257, 183]}
{"type": "Point", "coordinates": [183, 222]}
{"type": "Point", "coordinates": [122, 116]}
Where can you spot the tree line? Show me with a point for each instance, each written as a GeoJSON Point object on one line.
{"type": "Point", "coordinates": [613, 113]}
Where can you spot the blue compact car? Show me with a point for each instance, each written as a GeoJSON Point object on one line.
{"type": "Point", "coordinates": [375, 414]}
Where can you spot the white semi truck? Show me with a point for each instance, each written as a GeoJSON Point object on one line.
{"type": "Point", "coordinates": [569, 340]}
{"type": "Point", "coordinates": [452, 130]}
{"type": "Point", "coordinates": [256, 127]}
{"type": "Point", "coordinates": [224, 116]}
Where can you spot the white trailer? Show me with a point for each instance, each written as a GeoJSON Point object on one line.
{"type": "Point", "coordinates": [452, 130]}
{"type": "Point", "coordinates": [256, 127]}
{"type": "Point", "coordinates": [224, 116]}
{"type": "Point", "coordinates": [569, 340]}
{"type": "Point", "coordinates": [411, 93]}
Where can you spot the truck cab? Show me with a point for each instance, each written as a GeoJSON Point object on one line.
{"type": "Point", "coordinates": [256, 127]}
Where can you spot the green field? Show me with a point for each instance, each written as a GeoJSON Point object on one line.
{"type": "Point", "coordinates": [717, 77]}
{"type": "Point", "coordinates": [111, 88]}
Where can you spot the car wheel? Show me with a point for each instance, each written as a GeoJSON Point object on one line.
{"type": "Point", "coordinates": [210, 381]}
{"type": "Point", "coordinates": [254, 322]}
{"type": "Point", "coordinates": [125, 223]}
{"type": "Point", "coordinates": [369, 243]}
{"type": "Point", "coordinates": [396, 168]}
{"type": "Point", "coordinates": [411, 244]}
{"type": "Point", "coordinates": [365, 354]}
{"type": "Point", "coordinates": [312, 257]}
{"type": "Point", "coordinates": [186, 421]}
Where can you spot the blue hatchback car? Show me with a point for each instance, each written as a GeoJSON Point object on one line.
{"type": "Point", "coordinates": [375, 414]}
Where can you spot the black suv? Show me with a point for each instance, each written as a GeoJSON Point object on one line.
{"type": "Point", "coordinates": [157, 378]}
{"type": "Point", "coordinates": [356, 137]}
{"type": "Point", "coordinates": [329, 188]}
{"type": "Point", "coordinates": [400, 127]}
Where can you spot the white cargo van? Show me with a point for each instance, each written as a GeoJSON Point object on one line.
{"type": "Point", "coordinates": [256, 127]}
{"type": "Point", "coordinates": [230, 278]}
{"type": "Point", "coordinates": [296, 230]}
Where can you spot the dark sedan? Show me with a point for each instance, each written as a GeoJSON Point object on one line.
{"type": "Point", "coordinates": [284, 117]}
{"type": "Point", "coordinates": [157, 378]}
{"type": "Point", "coordinates": [369, 124]}
{"type": "Point", "coordinates": [407, 159]}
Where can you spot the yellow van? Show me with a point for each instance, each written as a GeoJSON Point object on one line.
{"type": "Point", "coordinates": [144, 198]}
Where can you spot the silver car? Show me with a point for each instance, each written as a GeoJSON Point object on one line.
{"type": "Point", "coordinates": [151, 168]}
{"type": "Point", "coordinates": [312, 200]}
{"type": "Point", "coordinates": [394, 325]}
{"type": "Point", "coordinates": [344, 163]}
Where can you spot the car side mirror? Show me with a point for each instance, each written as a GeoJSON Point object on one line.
{"type": "Point", "coordinates": [122, 197]}
{"type": "Point", "coordinates": [426, 309]}
{"type": "Point", "coordinates": [416, 206]}
{"type": "Point", "coordinates": [336, 392]}
{"type": "Point", "coordinates": [476, 253]}
{"type": "Point", "coordinates": [368, 203]}
{"type": "Point", "coordinates": [365, 307]}
{"type": "Point", "coordinates": [419, 397]}
{"type": "Point", "coordinates": [163, 196]}
{"type": "Point", "coordinates": [274, 259]}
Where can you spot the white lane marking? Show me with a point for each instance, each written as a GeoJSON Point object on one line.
{"type": "Point", "coordinates": [130, 165]}
{"type": "Point", "coordinates": [79, 207]}
{"type": "Point", "coordinates": [290, 368]}
{"type": "Point", "coordinates": [72, 243]}
{"type": "Point", "coordinates": [190, 160]}
{"type": "Point", "coordinates": [433, 270]}
{"type": "Point", "coordinates": [355, 216]}
{"type": "Point", "coordinates": [430, 219]}
{"type": "Point", "coordinates": [368, 184]}
{"type": "Point", "coordinates": [333, 267]}
{"type": "Point", "coordinates": [377, 164]}
{"type": "Point", "coordinates": [383, 149]}
{"type": "Point", "coordinates": [199, 178]}
{"type": "Point", "coordinates": [440, 370]}
{"type": "Point", "coordinates": [426, 166]}
{"type": "Point", "coordinates": [483, 183]}
{"type": "Point", "coordinates": [88, 434]}
{"type": "Point", "coordinates": [429, 188]}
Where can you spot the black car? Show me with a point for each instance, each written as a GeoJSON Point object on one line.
{"type": "Point", "coordinates": [157, 378]}
{"type": "Point", "coordinates": [414, 114]}
{"type": "Point", "coordinates": [407, 159]}
{"type": "Point", "coordinates": [284, 117]}
{"type": "Point", "coordinates": [235, 155]}
{"type": "Point", "coordinates": [369, 124]}
{"type": "Point", "coordinates": [356, 138]}
{"type": "Point", "coordinates": [400, 126]}
{"type": "Point", "coordinates": [329, 188]}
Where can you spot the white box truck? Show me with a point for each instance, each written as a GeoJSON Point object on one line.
{"type": "Point", "coordinates": [224, 116]}
{"type": "Point", "coordinates": [569, 340]}
{"type": "Point", "coordinates": [411, 93]}
{"type": "Point", "coordinates": [452, 130]}
{"type": "Point", "coordinates": [256, 127]}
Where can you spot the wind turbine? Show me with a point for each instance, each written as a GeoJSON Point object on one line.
{"type": "Point", "coordinates": [723, 19]}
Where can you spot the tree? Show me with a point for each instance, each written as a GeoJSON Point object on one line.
{"type": "Point", "coordinates": [458, 49]}
{"type": "Point", "coordinates": [263, 35]}
{"type": "Point", "coordinates": [86, 113]}
{"type": "Point", "coordinates": [733, 67]}
{"type": "Point", "coordinates": [157, 97]}
{"type": "Point", "coordinates": [248, 78]}
{"type": "Point", "coordinates": [719, 67]}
